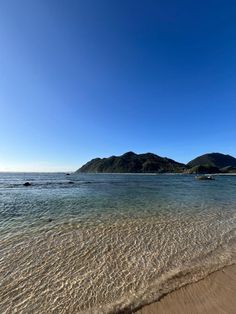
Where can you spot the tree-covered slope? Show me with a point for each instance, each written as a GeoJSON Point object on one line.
{"type": "Point", "coordinates": [214, 160]}
{"type": "Point", "coordinates": [132, 163]}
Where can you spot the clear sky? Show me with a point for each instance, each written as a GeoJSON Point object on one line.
{"type": "Point", "coordinates": [82, 79]}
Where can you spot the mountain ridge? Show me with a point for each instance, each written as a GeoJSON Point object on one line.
{"type": "Point", "coordinates": [131, 162]}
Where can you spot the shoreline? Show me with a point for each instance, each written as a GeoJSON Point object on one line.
{"type": "Point", "coordinates": [212, 294]}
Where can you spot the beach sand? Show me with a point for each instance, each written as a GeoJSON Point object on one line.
{"type": "Point", "coordinates": [213, 294]}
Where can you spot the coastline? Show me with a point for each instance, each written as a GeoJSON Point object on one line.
{"type": "Point", "coordinates": [212, 294]}
{"type": "Point", "coordinates": [104, 245]}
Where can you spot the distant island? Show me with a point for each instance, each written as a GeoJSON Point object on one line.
{"type": "Point", "coordinates": [152, 163]}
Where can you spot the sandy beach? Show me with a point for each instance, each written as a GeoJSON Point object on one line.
{"type": "Point", "coordinates": [213, 294]}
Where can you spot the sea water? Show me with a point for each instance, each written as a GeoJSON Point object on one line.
{"type": "Point", "coordinates": [107, 243]}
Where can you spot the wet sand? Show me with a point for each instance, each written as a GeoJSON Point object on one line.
{"type": "Point", "coordinates": [214, 294]}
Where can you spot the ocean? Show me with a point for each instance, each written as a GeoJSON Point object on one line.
{"type": "Point", "coordinates": [109, 243]}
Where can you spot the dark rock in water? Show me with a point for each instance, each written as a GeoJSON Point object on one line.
{"type": "Point", "coordinates": [67, 174]}
{"type": "Point", "coordinates": [70, 182]}
{"type": "Point", "coordinates": [27, 184]}
{"type": "Point", "coordinates": [49, 219]}
{"type": "Point", "coordinates": [205, 178]}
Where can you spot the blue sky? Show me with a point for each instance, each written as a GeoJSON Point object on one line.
{"type": "Point", "coordinates": [81, 79]}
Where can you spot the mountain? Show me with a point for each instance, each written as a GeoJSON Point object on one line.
{"type": "Point", "coordinates": [213, 160]}
{"type": "Point", "coordinates": [132, 163]}
{"type": "Point", "coordinates": [151, 163]}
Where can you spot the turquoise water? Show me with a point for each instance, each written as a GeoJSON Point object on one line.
{"type": "Point", "coordinates": [102, 243]}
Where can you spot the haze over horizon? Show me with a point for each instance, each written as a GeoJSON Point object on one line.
{"type": "Point", "coordinates": [86, 79]}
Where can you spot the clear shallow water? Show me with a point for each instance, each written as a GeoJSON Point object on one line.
{"type": "Point", "coordinates": [106, 243]}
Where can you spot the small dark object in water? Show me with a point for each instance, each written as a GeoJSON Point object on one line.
{"type": "Point", "coordinates": [27, 184]}
{"type": "Point", "coordinates": [67, 174]}
{"type": "Point", "coordinates": [205, 178]}
{"type": "Point", "coordinates": [71, 182]}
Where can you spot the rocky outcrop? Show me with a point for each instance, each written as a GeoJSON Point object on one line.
{"type": "Point", "coordinates": [203, 170]}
